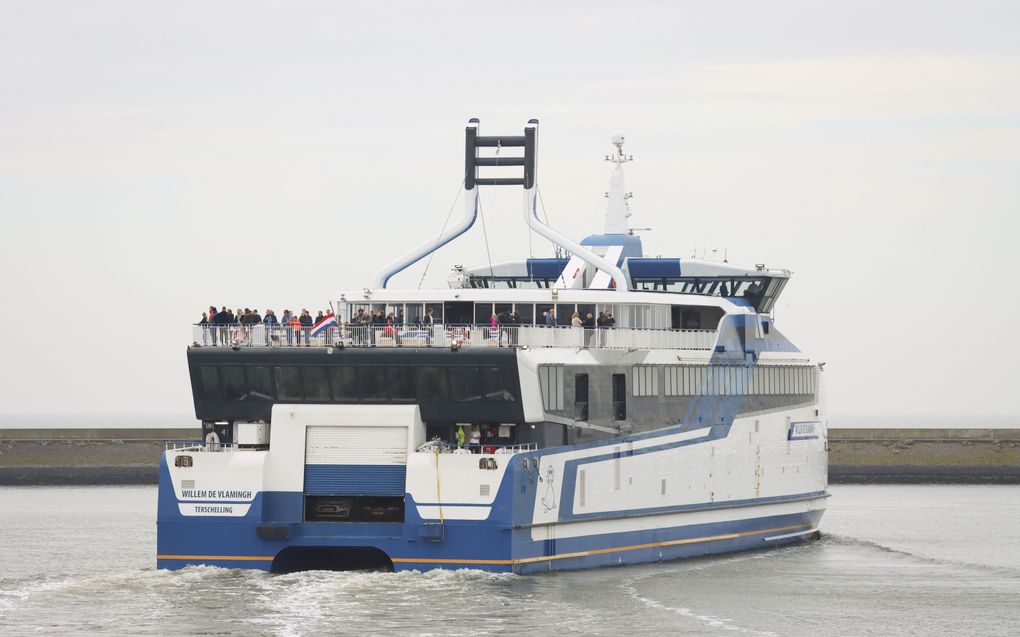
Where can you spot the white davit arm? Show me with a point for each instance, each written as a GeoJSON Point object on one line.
{"type": "Point", "coordinates": [427, 248]}
{"type": "Point", "coordinates": [531, 216]}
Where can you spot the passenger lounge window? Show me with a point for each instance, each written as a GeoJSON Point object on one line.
{"type": "Point", "coordinates": [465, 384]}
{"type": "Point", "coordinates": [232, 381]}
{"type": "Point", "coordinates": [210, 380]}
{"type": "Point", "coordinates": [432, 387]}
{"type": "Point", "coordinates": [345, 388]}
{"type": "Point", "coordinates": [373, 383]}
{"type": "Point", "coordinates": [499, 387]}
{"type": "Point", "coordinates": [260, 383]}
{"type": "Point", "coordinates": [288, 383]}
{"type": "Point", "coordinates": [316, 386]}
{"type": "Point", "coordinates": [401, 384]}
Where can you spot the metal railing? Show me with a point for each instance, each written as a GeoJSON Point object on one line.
{"type": "Point", "coordinates": [454, 336]}
{"type": "Point", "coordinates": [196, 445]}
{"type": "Point", "coordinates": [443, 446]}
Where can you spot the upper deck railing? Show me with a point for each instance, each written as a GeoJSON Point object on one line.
{"type": "Point", "coordinates": [454, 336]}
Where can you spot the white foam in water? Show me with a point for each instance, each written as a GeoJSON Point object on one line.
{"type": "Point", "coordinates": [630, 588]}
{"type": "Point", "coordinates": [906, 557]}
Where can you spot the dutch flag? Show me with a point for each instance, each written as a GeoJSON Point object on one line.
{"type": "Point", "coordinates": [327, 322]}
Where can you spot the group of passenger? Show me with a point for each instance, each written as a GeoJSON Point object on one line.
{"type": "Point", "coordinates": [225, 327]}
{"type": "Point", "coordinates": [363, 333]}
{"type": "Point", "coordinates": [605, 319]}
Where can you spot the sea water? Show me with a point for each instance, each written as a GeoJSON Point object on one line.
{"type": "Point", "coordinates": [893, 560]}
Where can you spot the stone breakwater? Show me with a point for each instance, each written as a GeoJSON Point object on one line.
{"type": "Point", "coordinates": [916, 456]}
{"type": "Point", "coordinates": [891, 456]}
{"type": "Point", "coordinates": [85, 456]}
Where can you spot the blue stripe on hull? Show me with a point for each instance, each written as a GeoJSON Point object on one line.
{"type": "Point", "coordinates": [234, 543]}
{"type": "Point", "coordinates": [656, 545]}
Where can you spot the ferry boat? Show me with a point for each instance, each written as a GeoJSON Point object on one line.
{"type": "Point", "coordinates": [481, 427]}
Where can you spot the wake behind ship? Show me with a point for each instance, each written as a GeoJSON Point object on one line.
{"type": "Point", "coordinates": [596, 407]}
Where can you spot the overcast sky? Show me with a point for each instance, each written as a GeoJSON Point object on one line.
{"type": "Point", "coordinates": [156, 158]}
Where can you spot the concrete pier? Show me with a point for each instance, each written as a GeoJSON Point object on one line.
{"type": "Point", "coordinates": [891, 456]}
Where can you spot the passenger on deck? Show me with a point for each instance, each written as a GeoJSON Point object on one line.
{"type": "Point", "coordinates": [288, 328]}
{"type": "Point", "coordinates": [427, 322]}
{"type": "Point", "coordinates": [475, 442]}
{"type": "Point", "coordinates": [212, 325]}
{"type": "Point", "coordinates": [222, 321]}
{"type": "Point", "coordinates": [515, 326]}
{"type": "Point", "coordinates": [361, 327]}
{"type": "Point", "coordinates": [389, 331]}
{"type": "Point", "coordinates": [270, 322]}
{"type": "Point", "coordinates": [589, 329]}
{"type": "Point", "coordinates": [575, 320]}
{"type": "Point", "coordinates": [204, 324]}
{"type": "Point", "coordinates": [295, 324]}
{"type": "Point", "coordinates": [306, 327]}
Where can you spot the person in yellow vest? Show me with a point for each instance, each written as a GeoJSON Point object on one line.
{"type": "Point", "coordinates": [461, 436]}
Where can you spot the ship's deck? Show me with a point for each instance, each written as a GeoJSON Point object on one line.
{"type": "Point", "coordinates": [456, 336]}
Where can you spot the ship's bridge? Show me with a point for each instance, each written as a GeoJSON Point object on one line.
{"type": "Point", "coordinates": [759, 286]}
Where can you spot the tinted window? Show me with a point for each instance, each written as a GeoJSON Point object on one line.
{"type": "Point", "coordinates": [372, 382]}
{"type": "Point", "coordinates": [232, 382]}
{"type": "Point", "coordinates": [260, 383]}
{"type": "Point", "coordinates": [498, 385]}
{"type": "Point", "coordinates": [401, 384]}
{"type": "Point", "coordinates": [483, 311]}
{"type": "Point", "coordinates": [345, 387]}
{"type": "Point", "coordinates": [288, 383]}
{"type": "Point", "coordinates": [316, 386]}
{"type": "Point", "coordinates": [210, 380]}
{"type": "Point", "coordinates": [465, 383]}
{"type": "Point", "coordinates": [564, 312]}
{"type": "Point", "coordinates": [432, 385]}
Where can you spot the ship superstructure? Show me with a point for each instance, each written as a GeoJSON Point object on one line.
{"type": "Point", "coordinates": [484, 426]}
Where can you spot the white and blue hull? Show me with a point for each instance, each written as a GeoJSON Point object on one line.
{"type": "Point", "coordinates": [673, 493]}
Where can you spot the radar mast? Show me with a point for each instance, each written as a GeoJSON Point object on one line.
{"type": "Point", "coordinates": [618, 208]}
